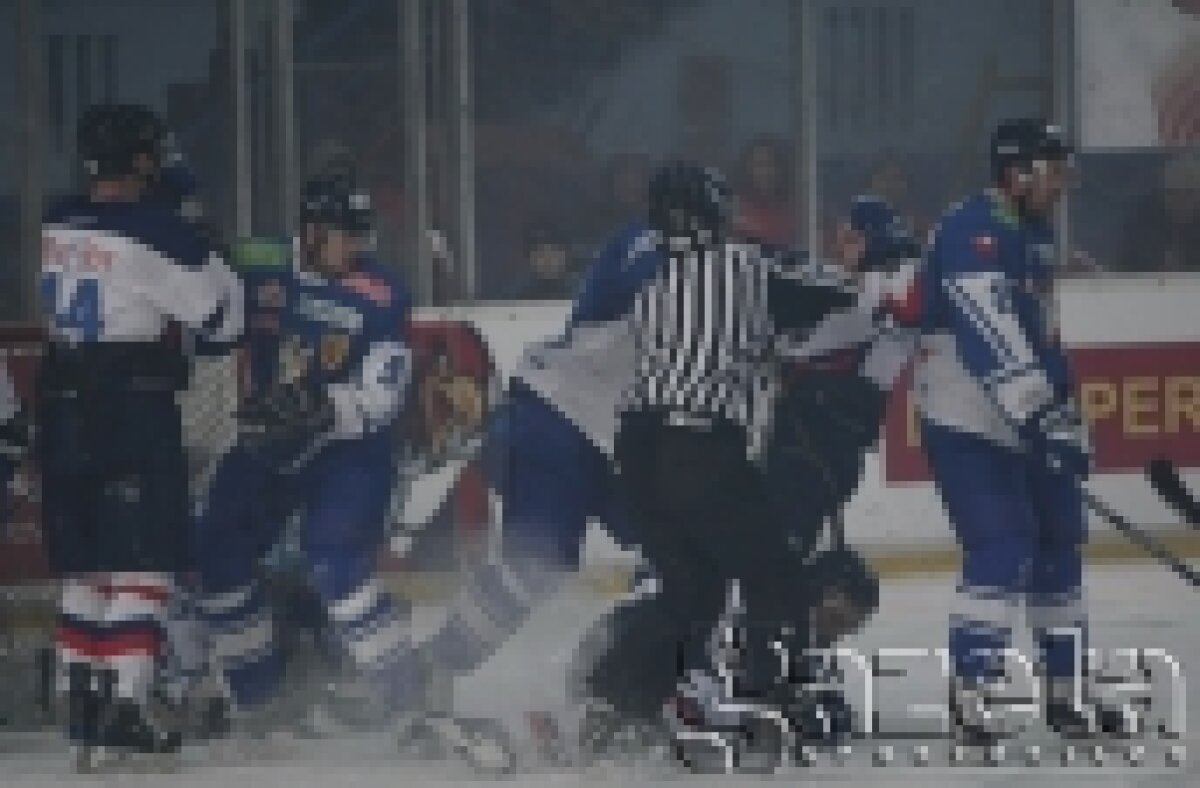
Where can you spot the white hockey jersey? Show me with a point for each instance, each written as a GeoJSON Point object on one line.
{"type": "Point", "coordinates": [583, 375]}
{"type": "Point", "coordinates": [123, 272]}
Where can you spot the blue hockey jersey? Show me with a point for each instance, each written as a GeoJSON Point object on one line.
{"type": "Point", "coordinates": [991, 356]}
{"type": "Point", "coordinates": [619, 270]}
{"type": "Point", "coordinates": [348, 337]}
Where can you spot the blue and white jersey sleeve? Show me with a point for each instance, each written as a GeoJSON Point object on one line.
{"type": "Point", "coordinates": [981, 297]}
{"type": "Point", "coordinates": [371, 397]}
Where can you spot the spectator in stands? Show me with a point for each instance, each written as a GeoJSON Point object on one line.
{"type": "Point", "coordinates": [765, 211]}
{"type": "Point", "coordinates": [1163, 231]}
{"type": "Point", "coordinates": [548, 273]}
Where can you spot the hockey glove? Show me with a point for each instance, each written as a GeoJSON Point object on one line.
{"type": "Point", "coordinates": [1060, 433]}
{"type": "Point", "coordinates": [286, 421]}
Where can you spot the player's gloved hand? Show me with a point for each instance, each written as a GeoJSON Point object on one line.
{"type": "Point", "coordinates": [284, 420]}
{"type": "Point", "coordinates": [1060, 433]}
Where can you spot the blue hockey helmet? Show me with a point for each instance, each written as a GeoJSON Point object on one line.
{"type": "Point", "coordinates": [110, 137]}
{"type": "Point", "coordinates": [336, 202]}
{"type": "Point", "coordinates": [686, 197]}
{"type": "Point", "coordinates": [887, 236]}
{"type": "Point", "coordinates": [1020, 142]}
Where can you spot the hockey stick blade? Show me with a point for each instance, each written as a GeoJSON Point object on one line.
{"type": "Point", "coordinates": [1142, 539]}
{"type": "Point", "coordinates": [1165, 480]}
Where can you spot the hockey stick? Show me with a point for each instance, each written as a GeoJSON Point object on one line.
{"type": "Point", "coordinates": [1165, 479]}
{"type": "Point", "coordinates": [1140, 538]}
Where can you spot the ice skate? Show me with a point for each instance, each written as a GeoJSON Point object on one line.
{"type": "Point", "coordinates": [715, 729]}
{"type": "Point", "coordinates": [83, 708]}
{"type": "Point", "coordinates": [1073, 717]}
{"type": "Point", "coordinates": [130, 741]}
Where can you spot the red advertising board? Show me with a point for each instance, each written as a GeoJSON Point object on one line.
{"type": "Point", "coordinates": [1141, 401]}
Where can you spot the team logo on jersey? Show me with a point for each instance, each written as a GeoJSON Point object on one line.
{"type": "Point", "coordinates": [335, 349]}
{"type": "Point", "coordinates": [984, 245]}
{"type": "Point", "coordinates": [295, 360]}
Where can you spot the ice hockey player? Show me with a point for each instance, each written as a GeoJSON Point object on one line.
{"type": "Point", "coordinates": [318, 435]}
{"type": "Point", "coordinates": [1003, 434]}
{"type": "Point", "coordinates": [117, 271]}
{"type": "Point", "coordinates": [828, 417]}
{"type": "Point", "coordinates": [549, 456]}
{"type": "Point", "coordinates": [830, 409]}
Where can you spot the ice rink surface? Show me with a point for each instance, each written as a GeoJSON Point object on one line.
{"type": "Point", "coordinates": [1130, 608]}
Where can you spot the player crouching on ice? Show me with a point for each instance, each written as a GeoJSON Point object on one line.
{"type": "Point", "coordinates": [318, 437]}
{"type": "Point", "coordinates": [1002, 433]}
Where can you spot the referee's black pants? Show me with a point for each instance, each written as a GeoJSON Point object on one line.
{"type": "Point", "coordinates": [700, 514]}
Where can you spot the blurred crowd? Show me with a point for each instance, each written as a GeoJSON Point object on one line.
{"type": "Point", "coordinates": [1129, 214]}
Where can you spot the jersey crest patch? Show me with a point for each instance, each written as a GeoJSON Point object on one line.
{"type": "Point", "coordinates": [334, 350]}
{"type": "Point", "coordinates": [295, 360]}
{"type": "Point", "coordinates": [984, 245]}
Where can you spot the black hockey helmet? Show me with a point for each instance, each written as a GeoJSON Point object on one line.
{"type": "Point", "coordinates": [336, 202]}
{"type": "Point", "coordinates": [1022, 141]}
{"type": "Point", "coordinates": [111, 136]}
{"type": "Point", "coordinates": [686, 197]}
{"type": "Point", "coordinates": [842, 574]}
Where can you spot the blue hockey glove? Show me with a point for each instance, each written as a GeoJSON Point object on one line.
{"type": "Point", "coordinates": [1059, 433]}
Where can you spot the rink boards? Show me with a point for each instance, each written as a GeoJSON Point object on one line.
{"type": "Point", "coordinates": [1136, 344]}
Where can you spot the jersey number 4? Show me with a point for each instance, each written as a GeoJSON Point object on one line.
{"type": "Point", "coordinates": [77, 310]}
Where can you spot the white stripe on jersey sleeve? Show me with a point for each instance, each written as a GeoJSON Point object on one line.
{"type": "Point", "coordinates": [1017, 384]}
{"type": "Point", "coordinates": [371, 399]}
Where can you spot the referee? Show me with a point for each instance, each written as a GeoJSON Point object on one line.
{"type": "Point", "coordinates": [708, 330]}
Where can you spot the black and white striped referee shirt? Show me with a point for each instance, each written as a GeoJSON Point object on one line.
{"type": "Point", "coordinates": [708, 327]}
